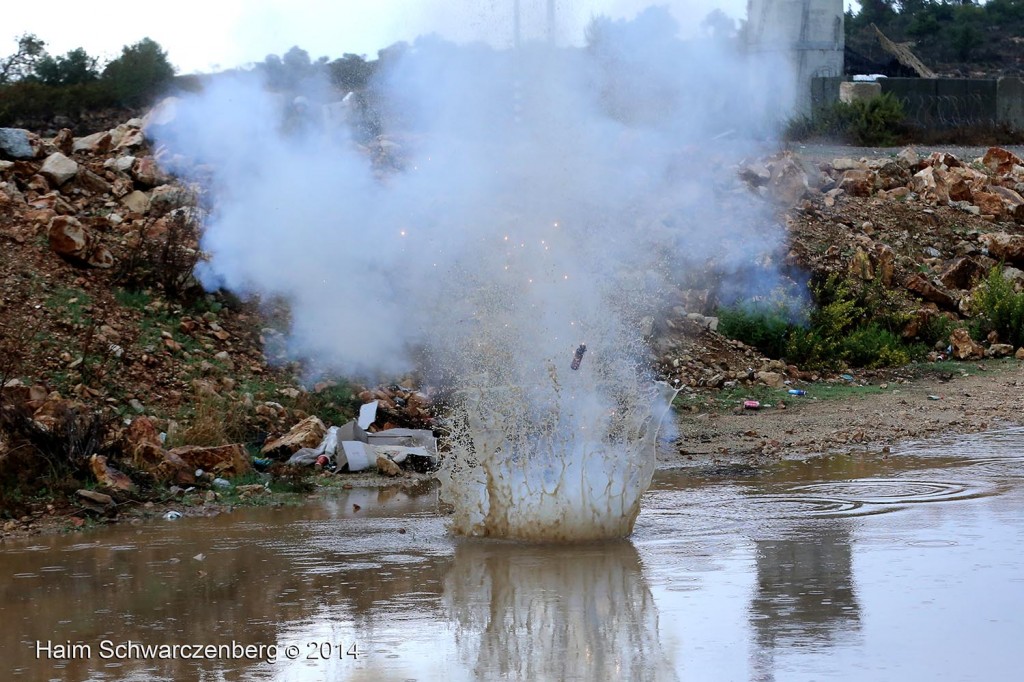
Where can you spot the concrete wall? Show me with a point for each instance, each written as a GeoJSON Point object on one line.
{"type": "Point", "coordinates": [944, 102]}
{"type": "Point", "coordinates": [809, 33]}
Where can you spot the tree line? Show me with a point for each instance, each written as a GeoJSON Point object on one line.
{"type": "Point", "coordinates": [947, 35]}
{"type": "Point", "coordinates": [36, 86]}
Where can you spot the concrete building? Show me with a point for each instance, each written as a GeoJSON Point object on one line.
{"type": "Point", "coordinates": [809, 33]}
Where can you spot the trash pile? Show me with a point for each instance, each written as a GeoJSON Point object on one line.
{"type": "Point", "coordinates": [359, 444]}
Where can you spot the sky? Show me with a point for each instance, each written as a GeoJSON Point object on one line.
{"type": "Point", "coordinates": [207, 35]}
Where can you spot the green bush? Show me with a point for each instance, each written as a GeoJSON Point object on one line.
{"type": "Point", "coordinates": [766, 329]}
{"type": "Point", "coordinates": [877, 122]}
{"type": "Point", "coordinates": [998, 307]}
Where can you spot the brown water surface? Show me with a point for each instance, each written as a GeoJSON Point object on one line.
{"type": "Point", "coordinates": [848, 567]}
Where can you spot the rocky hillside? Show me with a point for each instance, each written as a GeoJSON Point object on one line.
{"type": "Point", "coordinates": [102, 325]}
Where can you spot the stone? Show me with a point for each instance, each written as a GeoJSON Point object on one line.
{"type": "Point", "coordinates": [771, 379]}
{"type": "Point", "coordinates": [990, 203]}
{"type": "Point", "coordinates": [858, 183]}
{"type": "Point", "coordinates": [121, 164]}
{"type": "Point", "coordinates": [92, 182]}
{"type": "Point", "coordinates": [129, 138]}
{"type": "Point", "coordinates": [387, 467]}
{"type": "Point", "coordinates": [789, 183]}
{"type": "Point", "coordinates": [1019, 354]}
{"type": "Point", "coordinates": [99, 498]}
{"type": "Point", "coordinates": [58, 169]}
{"type": "Point", "coordinates": [860, 265]}
{"type": "Point", "coordinates": [929, 291]}
{"type": "Point", "coordinates": [964, 347]}
{"type": "Point", "coordinates": [226, 460]}
{"type": "Point", "coordinates": [308, 433]}
{"type": "Point", "coordinates": [109, 477]}
{"type": "Point", "coordinates": [70, 240]}
{"type": "Point", "coordinates": [67, 237]}
{"type": "Point", "coordinates": [891, 175]}
{"type": "Point", "coordinates": [166, 198]}
{"type": "Point", "coordinates": [930, 185]}
{"type": "Point", "coordinates": [1000, 161]}
{"type": "Point", "coordinates": [845, 164]}
{"type": "Point", "coordinates": [999, 350]}
{"type": "Point", "coordinates": [64, 140]}
{"type": "Point", "coordinates": [136, 202]}
{"type": "Point", "coordinates": [961, 273]}
{"type": "Point", "coordinates": [1003, 246]}
{"type": "Point", "coordinates": [97, 143]}
{"type": "Point", "coordinates": [909, 156]}
{"type": "Point", "coordinates": [16, 143]}
{"type": "Point", "coordinates": [884, 259]}
{"type": "Point", "coordinates": [146, 172]}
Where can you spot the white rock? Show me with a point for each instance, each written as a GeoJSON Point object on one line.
{"type": "Point", "coordinates": [58, 168]}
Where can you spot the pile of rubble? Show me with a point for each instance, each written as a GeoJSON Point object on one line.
{"type": "Point", "coordinates": [79, 189]}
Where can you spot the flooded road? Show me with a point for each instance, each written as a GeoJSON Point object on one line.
{"type": "Point", "coordinates": [852, 567]}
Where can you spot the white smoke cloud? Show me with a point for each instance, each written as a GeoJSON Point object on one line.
{"type": "Point", "coordinates": [552, 176]}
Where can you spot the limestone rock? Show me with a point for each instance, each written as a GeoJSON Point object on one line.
{"type": "Point", "coordinates": [387, 467]}
{"type": "Point", "coordinates": [16, 143]}
{"type": "Point", "coordinates": [97, 143]}
{"type": "Point", "coordinates": [1000, 161]}
{"type": "Point", "coordinates": [999, 350]}
{"type": "Point", "coordinates": [228, 460]}
{"type": "Point", "coordinates": [96, 497]}
{"type": "Point", "coordinates": [109, 477]}
{"type": "Point", "coordinates": [306, 434]}
{"type": "Point", "coordinates": [962, 273]}
{"type": "Point", "coordinates": [858, 183]}
{"type": "Point", "coordinates": [1019, 355]}
{"type": "Point", "coordinates": [64, 141]}
{"type": "Point", "coordinates": [1002, 246]}
{"type": "Point", "coordinates": [964, 347]}
{"type": "Point", "coordinates": [137, 201]}
{"type": "Point", "coordinates": [929, 291]}
{"type": "Point", "coordinates": [146, 172]}
{"type": "Point", "coordinates": [930, 185]}
{"type": "Point", "coordinates": [58, 169]}
{"type": "Point", "coordinates": [771, 379]}
{"type": "Point", "coordinates": [70, 240]}
{"type": "Point", "coordinates": [92, 182]}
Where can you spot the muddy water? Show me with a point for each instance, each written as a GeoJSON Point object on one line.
{"type": "Point", "coordinates": [840, 568]}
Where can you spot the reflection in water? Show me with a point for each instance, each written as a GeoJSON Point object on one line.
{"type": "Point", "coordinates": [792, 573]}
{"type": "Point", "coordinates": [805, 594]}
{"type": "Point", "coordinates": [547, 612]}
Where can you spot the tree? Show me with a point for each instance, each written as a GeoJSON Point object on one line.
{"type": "Point", "coordinates": [20, 64]}
{"type": "Point", "coordinates": [139, 73]}
{"type": "Point", "coordinates": [72, 69]}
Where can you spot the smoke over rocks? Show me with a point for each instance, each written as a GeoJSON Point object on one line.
{"type": "Point", "coordinates": [555, 193]}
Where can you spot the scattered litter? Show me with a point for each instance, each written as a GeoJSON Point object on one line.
{"type": "Point", "coordinates": [355, 455]}
{"type": "Point", "coordinates": [846, 377]}
{"type": "Point", "coordinates": [751, 405]}
{"type": "Point", "coordinates": [796, 391]}
{"type": "Point", "coordinates": [934, 397]}
{"type": "Point", "coordinates": [199, 557]}
{"type": "Point", "coordinates": [577, 357]}
{"type": "Point", "coordinates": [221, 483]}
{"type": "Point", "coordinates": [172, 515]}
{"type": "Point", "coordinates": [367, 415]}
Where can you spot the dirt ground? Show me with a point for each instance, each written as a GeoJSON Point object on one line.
{"type": "Point", "coordinates": [960, 398]}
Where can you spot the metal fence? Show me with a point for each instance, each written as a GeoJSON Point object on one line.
{"type": "Point", "coordinates": [944, 102]}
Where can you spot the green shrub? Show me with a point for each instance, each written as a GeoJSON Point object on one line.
{"type": "Point", "coordinates": [998, 307]}
{"type": "Point", "coordinates": [766, 329]}
{"type": "Point", "coordinates": [853, 324]}
{"type": "Point", "coordinates": [877, 122]}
